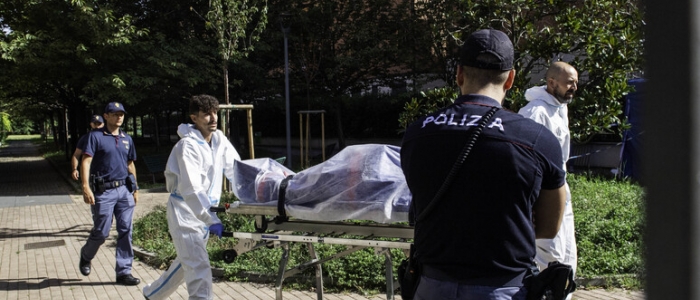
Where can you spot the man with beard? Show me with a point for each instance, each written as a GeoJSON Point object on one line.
{"type": "Point", "coordinates": [193, 176]}
{"type": "Point", "coordinates": [548, 106]}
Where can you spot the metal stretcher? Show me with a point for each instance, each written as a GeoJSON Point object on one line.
{"type": "Point", "coordinates": [281, 231]}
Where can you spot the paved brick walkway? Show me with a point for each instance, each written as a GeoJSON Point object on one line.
{"type": "Point", "coordinates": [43, 224]}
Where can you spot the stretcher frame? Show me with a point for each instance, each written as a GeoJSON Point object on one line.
{"type": "Point", "coordinates": [280, 232]}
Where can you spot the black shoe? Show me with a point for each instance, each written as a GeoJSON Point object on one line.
{"type": "Point", "coordinates": [84, 267]}
{"type": "Point", "coordinates": [128, 280]}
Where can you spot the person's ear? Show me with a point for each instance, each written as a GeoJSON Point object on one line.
{"type": "Point", "coordinates": [551, 83]}
{"type": "Point", "coordinates": [193, 117]}
{"type": "Point", "coordinates": [511, 79]}
{"type": "Point", "coordinates": [460, 75]}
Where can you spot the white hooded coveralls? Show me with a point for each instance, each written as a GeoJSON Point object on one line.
{"type": "Point", "coordinates": [193, 176]}
{"type": "Point", "coordinates": [543, 108]}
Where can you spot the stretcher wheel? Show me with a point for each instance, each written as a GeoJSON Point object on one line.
{"type": "Point", "coordinates": [263, 226]}
{"type": "Point", "coordinates": [230, 256]}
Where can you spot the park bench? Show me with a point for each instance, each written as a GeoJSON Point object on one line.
{"type": "Point", "coordinates": [156, 164]}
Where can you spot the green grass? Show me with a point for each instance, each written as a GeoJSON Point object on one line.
{"type": "Point", "coordinates": [28, 137]}
{"type": "Point", "coordinates": [609, 223]}
{"type": "Point", "coordinates": [609, 217]}
{"type": "Point", "coordinates": [362, 271]}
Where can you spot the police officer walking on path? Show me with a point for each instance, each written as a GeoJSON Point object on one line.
{"type": "Point", "coordinates": [548, 106]}
{"type": "Point", "coordinates": [108, 177]}
{"type": "Point", "coordinates": [96, 122]}
{"type": "Point", "coordinates": [479, 240]}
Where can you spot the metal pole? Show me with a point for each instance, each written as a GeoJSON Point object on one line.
{"type": "Point", "coordinates": [301, 138]}
{"type": "Point", "coordinates": [286, 104]}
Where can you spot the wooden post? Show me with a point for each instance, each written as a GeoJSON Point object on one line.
{"type": "Point", "coordinates": [304, 145]}
{"type": "Point", "coordinates": [249, 119]}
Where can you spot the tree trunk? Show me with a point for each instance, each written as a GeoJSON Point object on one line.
{"type": "Point", "coordinates": [339, 120]}
{"type": "Point", "coordinates": [227, 131]}
{"type": "Point", "coordinates": [64, 133]}
{"type": "Point", "coordinates": [54, 130]}
{"type": "Point", "coordinates": [78, 124]}
{"type": "Point", "coordinates": [226, 84]}
{"type": "Point", "coordinates": [157, 132]}
{"type": "Point", "coordinates": [134, 126]}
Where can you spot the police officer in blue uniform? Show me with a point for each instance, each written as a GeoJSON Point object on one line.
{"type": "Point", "coordinates": [108, 177]}
{"type": "Point", "coordinates": [96, 122]}
{"type": "Point", "coordinates": [479, 240]}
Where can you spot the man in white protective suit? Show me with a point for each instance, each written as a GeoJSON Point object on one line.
{"type": "Point", "coordinates": [194, 175]}
{"type": "Point", "coordinates": [548, 106]}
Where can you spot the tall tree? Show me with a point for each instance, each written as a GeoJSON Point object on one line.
{"type": "Point", "coordinates": [54, 47]}
{"type": "Point", "coordinates": [338, 48]}
{"type": "Point", "coordinates": [603, 39]}
{"type": "Point", "coordinates": [92, 52]}
{"type": "Point", "coordinates": [238, 25]}
{"type": "Point", "coordinates": [177, 59]}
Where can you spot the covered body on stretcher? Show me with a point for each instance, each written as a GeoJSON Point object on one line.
{"type": "Point", "coordinates": [362, 182]}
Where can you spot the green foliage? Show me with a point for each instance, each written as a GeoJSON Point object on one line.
{"type": "Point", "coordinates": [23, 126]}
{"type": "Point", "coordinates": [238, 25]}
{"type": "Point", "coordinates": [151, 234]}
{"type": "Point", "coordinates": [342, 47]}
{"type": "Point", "coordinates": [57, 53]}
{"type": "Point", "coordinates": [95, 51]}
{"type": "Point", "coordinates": [602, 39]}
{"type": "Point", "coordinates": [92, 51]}
{"type": "Point", "coordinates": [609, 38]}
{"type": "Point", "coordinates": [71, 37]}
{"type": "Point", "coordinates": [5, 126]}
{"type": "Point", "coordinates": [609, 218]}
{"type": "Point", "coordinates": [430, 101]}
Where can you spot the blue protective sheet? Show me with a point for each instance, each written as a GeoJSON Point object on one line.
{"type": "Point", "coordinates": [630, 155]}
{"type": "Point", "coordinates": [361, 182]}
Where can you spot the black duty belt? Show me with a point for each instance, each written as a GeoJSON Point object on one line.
{"type": "Point", "coordinates": [114, 184]}
{"type": "Point", "coordinates": [508, 280]}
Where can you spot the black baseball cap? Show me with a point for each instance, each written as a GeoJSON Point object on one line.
{"type": "Point", "coordinates": [487, 49]}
